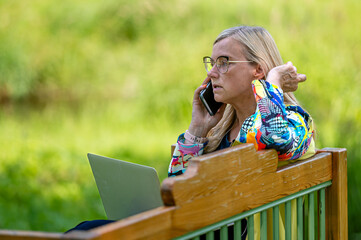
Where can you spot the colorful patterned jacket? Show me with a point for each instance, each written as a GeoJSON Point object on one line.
{"type": "Point", "coordinates": [288, 129]}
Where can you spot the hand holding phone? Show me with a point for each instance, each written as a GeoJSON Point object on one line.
{"type": "Point", "coordinates": [207, 98]}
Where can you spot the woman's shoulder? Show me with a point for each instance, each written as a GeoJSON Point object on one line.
{"type": "Point", "coordinates": [262, 84]}
{"type": "Point", "coordinates": [265, 90]}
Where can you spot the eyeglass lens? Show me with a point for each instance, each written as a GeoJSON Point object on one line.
{"type": "Point", "coordinates": [221, 64]}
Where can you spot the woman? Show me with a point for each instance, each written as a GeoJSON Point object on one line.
{"type": "Point", "coordinates": [254, 110]}
{"type": "Point", "coordinates": [258, 111]}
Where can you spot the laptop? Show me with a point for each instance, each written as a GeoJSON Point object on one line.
{"type": "Point", "coordinates": [125, 188]}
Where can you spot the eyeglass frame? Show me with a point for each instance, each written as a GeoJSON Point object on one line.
{"type": "Point", "coordinates": [215, 63]}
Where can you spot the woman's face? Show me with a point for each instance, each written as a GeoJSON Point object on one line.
{"type": "Point", "coordinates": [234, 86]}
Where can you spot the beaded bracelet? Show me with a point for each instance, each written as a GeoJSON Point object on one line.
{"type": "Point", "coordinates": [193, 138]}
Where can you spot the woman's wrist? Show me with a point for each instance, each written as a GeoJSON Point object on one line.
{"type": "Point", "coordinates": [190, 138]}
{"type": "Point", "coordinates": [198, 131]}
{"type": "Point", "coordinates": [274, 80]}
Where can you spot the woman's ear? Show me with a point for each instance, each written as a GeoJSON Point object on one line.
{"type": "Point", "coordinates": [258, 72]}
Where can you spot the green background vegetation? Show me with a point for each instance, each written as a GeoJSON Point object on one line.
{"type": "Point", "coordinates": [117, 77]}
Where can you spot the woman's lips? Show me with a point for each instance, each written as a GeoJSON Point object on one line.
{"type": "Point", "coordinates": [216, 88]}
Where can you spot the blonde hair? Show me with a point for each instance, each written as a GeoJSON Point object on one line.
{"type": "Point", "coordinates": [260, 48]}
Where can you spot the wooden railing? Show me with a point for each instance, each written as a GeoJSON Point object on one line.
{"type": "Point", "coordinates": [222, 184]}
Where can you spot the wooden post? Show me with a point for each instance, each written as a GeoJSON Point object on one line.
{"type": "Point", "coordinates": [336, 196]}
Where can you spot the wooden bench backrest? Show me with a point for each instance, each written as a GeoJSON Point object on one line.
{"type": "Point", "coordinates": [221, 184]}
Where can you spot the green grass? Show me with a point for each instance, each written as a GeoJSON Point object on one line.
{"type": "Point", "coordinates": [117, 78]}
{"type": "Point", "coordinates": [46, 182]}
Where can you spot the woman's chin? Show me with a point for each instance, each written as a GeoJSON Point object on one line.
{"type": "Point", "coordinates": [218, 98]}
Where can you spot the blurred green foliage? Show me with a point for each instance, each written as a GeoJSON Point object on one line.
{"type": "Point", "coordinates": [117, 77]}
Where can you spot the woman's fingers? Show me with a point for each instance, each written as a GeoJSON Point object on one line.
{"type": "Point", "coordinates": [290, 77]}
{"type": "Point", "coordinates": [301, 77]}
{"type": "Point", "coordinates": [206, 80]}
{"type": "Point", "coordinates": [200, 88]}
{"type": "Point", "coordinates": [290, 87]}
{"type": "Point", "coordinates": [290, 70]}
{"type": "Point", "coordinates": [197, 92]}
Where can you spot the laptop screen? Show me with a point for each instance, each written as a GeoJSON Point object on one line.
{"type": "Point", "coordinates": [125, 188]}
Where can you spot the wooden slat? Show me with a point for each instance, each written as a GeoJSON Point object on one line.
{"type": "Point", "coordinates": [311, 216]}
{"type": "Point", "coordinates": [288, 220]}
{"type": "Point", "coordinates": [300, 218]}
{"type": "Point", "coordinates": [152, 224]}
{"type": "Point", "coordinates": [264, 225]}
{"type": "Point", "coordinates": [24, 235]}
{"type": "Point", "coordinates": [210, 235]}
{"type": "Point", "coordinates": [224, 233]}
{"type": "Point", "coordinates": [322, 215]}
{"type": "Point", "coordinates": [336, 196]}
{"type": "Point", "coordinates": [275, 218]}
{"type": "Point", "coordinates": [237, 231]}
{"type": "Point", "coordinates": [237, 179]}
{"type": "Point", "coordinates": [250, 227]}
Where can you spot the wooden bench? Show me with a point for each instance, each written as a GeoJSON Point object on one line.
{"type": "Point", "coordinates": [237, 181]}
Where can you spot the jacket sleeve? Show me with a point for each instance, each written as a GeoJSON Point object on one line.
{"type": "Point", "coordinates": [182, 153]}
{"type": "Point", "coordinates": [286, 129]}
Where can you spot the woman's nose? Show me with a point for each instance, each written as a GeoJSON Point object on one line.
{"type": "Point", "coordinates": [213, 73]}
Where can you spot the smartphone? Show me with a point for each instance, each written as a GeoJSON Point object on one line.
{"type": "Point", "coordinates": [207, 98]}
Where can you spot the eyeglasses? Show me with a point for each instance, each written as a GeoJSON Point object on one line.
{"type": "Point", "coordinates": [222, 63]}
